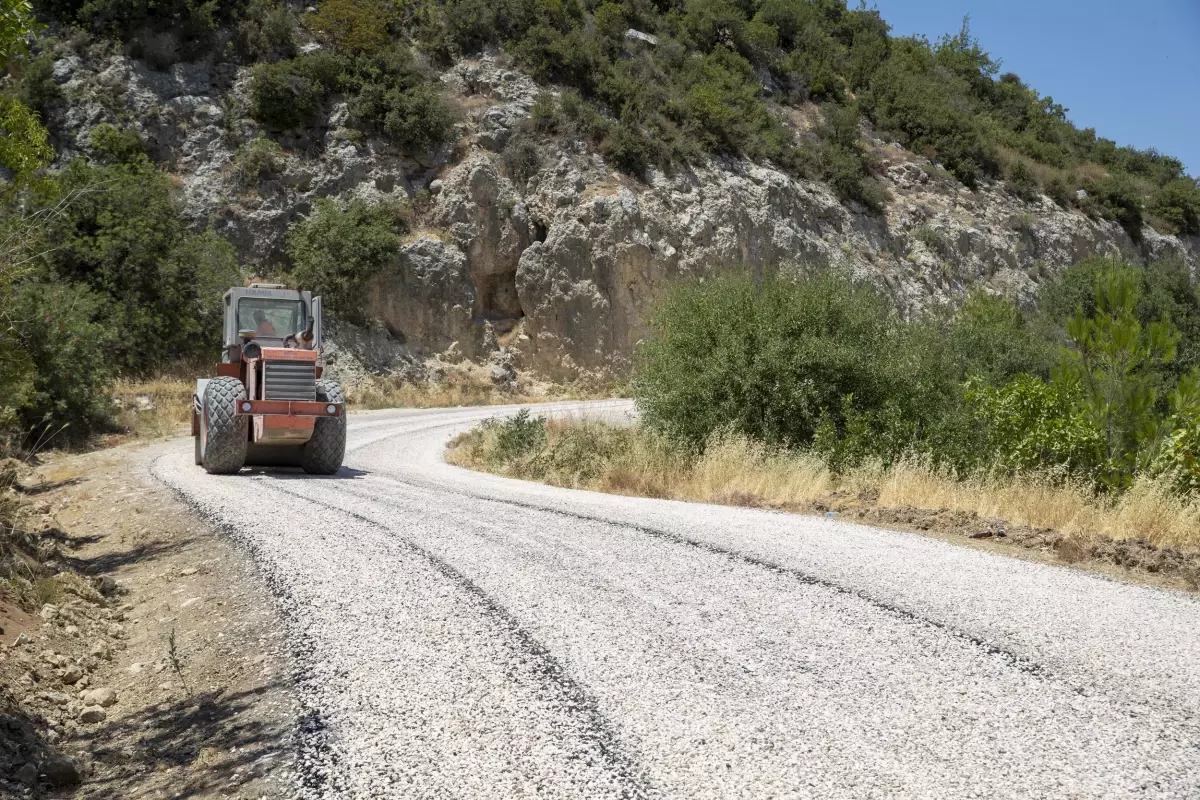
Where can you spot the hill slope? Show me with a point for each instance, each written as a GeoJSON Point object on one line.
{"type": "Point", "coordinates": [531, 175]}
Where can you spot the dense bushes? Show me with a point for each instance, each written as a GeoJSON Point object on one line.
{"type": "Point", "coordinates": [1085, 387]}
{"type": "Point", "coordinates": [783, 361]}
{"type": "Point", "coordinates": [387, 94]}
{"type": "Point", "coordinates": [291, 93]}
{"type": "Point", "coordinates": [258, 160]}
{"type": "Point", "coordinates": [338, 249]}
{"type": "Point", "coordinates": [1178, 204]}
{"type": "Point", "coordinates": [107, 281]}
{"type": "Point", "coordinates": [716, 79]}
{"type": "Point", "coordinates": [157, 287]}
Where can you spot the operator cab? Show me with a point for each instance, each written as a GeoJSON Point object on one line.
{"type": "Point", "coordinates": [269, 315]}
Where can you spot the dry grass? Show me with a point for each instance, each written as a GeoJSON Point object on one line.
{"type": "Point", "coordinates": [154, 408]}
{"type": "Point", "coordinates": [736, 471]}
{"type": "Point", "coordinates": [466, 385]}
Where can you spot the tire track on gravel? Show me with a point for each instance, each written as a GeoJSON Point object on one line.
{"type": "Point", "coordinates": [591, 725]}
{"type": "Point", "coordinates": [1012, 659]}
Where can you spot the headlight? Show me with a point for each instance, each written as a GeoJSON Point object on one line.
{"type": "Point", "coordinates": [251, 350]}
{"type": "Point", "coordinates": [246, 407]}
{"type": "Point", "coordinates": [331, 409]}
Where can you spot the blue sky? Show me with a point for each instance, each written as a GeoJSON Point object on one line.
{"type": "Point", "coordinates": [1131, 70]}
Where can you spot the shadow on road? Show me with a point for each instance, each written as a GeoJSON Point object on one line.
{"type": "Point", "coordinates": [295, 473]}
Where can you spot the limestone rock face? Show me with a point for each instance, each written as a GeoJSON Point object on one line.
{"type": "Point", "coordinates": [426, 295]}
{"type": "Point", "coordinates": [558, 265]}
{"type": "Point", "coordinates": [488, 221]}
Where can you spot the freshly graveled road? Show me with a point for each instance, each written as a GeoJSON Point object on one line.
{"type": "Point", "coordinates": [466, 636]}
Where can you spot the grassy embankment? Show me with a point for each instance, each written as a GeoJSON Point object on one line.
{"type": "Point", "coordinates": [734, 470]}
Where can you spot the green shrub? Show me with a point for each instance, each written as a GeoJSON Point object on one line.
{"type": "Point", "coordinates": [190, 25]}
{"type": "Point", "coordinates": [258, 160]}
{"type": "Point", "coordinates": [338, 249]}
{"type": "Point", "coordinates": [265, 30]}
{"type": "Point", "coordinates": [841, 161]}
{"type": "Point", "coordinates": [56, 326]}
{"type": "Point", "coordinates": [391, 96]}
{"type": "Point", "coordinates": [455, 28]}
{"type": "Point", "coordinates": [113, 145]}
{"type": "Point", "coordinates": [1057, 190]}
{"type": "Point", "coordinates": [1179, 457]}
{"type": "Point", "coordinates": [521, 158]}
{"type": "Point", "coordinates": [1032, 425]}
{"type": "Point", "coordinates": [629, 150]}
{"type": "Point", "coordinates": [122, 236]}
{"type": "Point", "coordinates": [37, 89]}
{"type": "Point", "coordinates": [777, 361]}
{"type": "Point", "coordinates": [1023, 182]}
{"type": "Point", "coordinates": [993, 341]}
{"type": "Point", "coordinates": [1178, 204]}
{"type": "Point", "coordinates": [518, 438]}
{"type": "Point", "coordinates": [543, 115]}
{"type": "Point", "coordinates": [354, 26]}
{"type": "Point", "coordinates": [1116, 198]}
{"type": "Point", "coordinates": [415, 116]}
{"type": "Point", "coordinates": [24, 143]}
{"type": "Point", "coordinates": [292, 93]}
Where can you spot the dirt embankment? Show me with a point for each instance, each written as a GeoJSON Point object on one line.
{"type": "Point", "coordinates": [139, 656]}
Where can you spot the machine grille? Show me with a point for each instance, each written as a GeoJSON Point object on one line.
{"type": "Point", "coordinates": [290, 380]}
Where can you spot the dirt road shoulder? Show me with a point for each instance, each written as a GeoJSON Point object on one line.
{"type": "Point", "coordinates": [163, 672]}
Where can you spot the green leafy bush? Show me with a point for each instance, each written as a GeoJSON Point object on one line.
{"type": "Point", "coordinates": [57, 327]}
{"type": "Point", "coordinates": [1116, 198]}
{"type": "Point", "coordinates": [291, 93]}
{"type": "Point", "coordinates": [37, 89]}
{"type": "Point", "coordinates": [265, 30]}
{"type": "Point", "coordinates": [994, 341]}
{"type": "Point", "coordinates": [258, 160]}
{"type": "Point", "coordinates": [841, 161]}
{"type": "Point", "coordinates": [1178, 203]}
{"type": "Point", "coordinates": [1022, 181]}
{"type": "Point", "coordinates": [24, 143]}
{"type": "Point", "coordinates": [519, 437]}
{"type": "Point", "coordinates": [354, 26]}
{"type": "Point", "coordinates": [1032, 425]}
{"type": "Point", "coordinates": [415, 116]}
{"type": "Point", "coordinates": [338, 249]}
{"type": "Point", "coordinates": [778, 360]}
{"type": "Point", "coordinates": [113, 145]}
{"type": "Point", "coordinates": [122, 236]}
{"type": "Point", "coordinates": [521, 158]}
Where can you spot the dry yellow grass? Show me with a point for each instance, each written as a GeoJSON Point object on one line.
{"type": "Point", "coordinates": [154, 408]}
{"type": "Point", "coordinates": [736, 471]}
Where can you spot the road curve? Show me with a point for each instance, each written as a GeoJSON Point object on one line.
{"type": "Point", "coordinates": [460, 635]}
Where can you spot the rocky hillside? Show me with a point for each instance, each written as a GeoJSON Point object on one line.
{"type": "Point", "coordinates": [528, 241]}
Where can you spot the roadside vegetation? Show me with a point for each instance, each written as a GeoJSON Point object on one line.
{"type": "Point", "coordinates": [1082, 416]}
{"type": "Point", "coordinates": [695, 79]}
{"type": "Point", "coordinates": [102, 283]}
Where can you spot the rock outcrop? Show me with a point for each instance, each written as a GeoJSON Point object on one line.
{"type": "Point", "coordinates": [562, 267]}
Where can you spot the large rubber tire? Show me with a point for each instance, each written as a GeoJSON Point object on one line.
{"type": "Point", "coordinates": [324, 452]}
{"type": "Point", "coordinates": [225, 430]}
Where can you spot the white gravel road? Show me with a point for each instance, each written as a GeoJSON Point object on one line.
{"type": "Point", "coordinates": [459, 635]}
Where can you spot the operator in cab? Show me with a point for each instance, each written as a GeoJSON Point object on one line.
{"type": "Point", "coordinates": [264, 326]}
